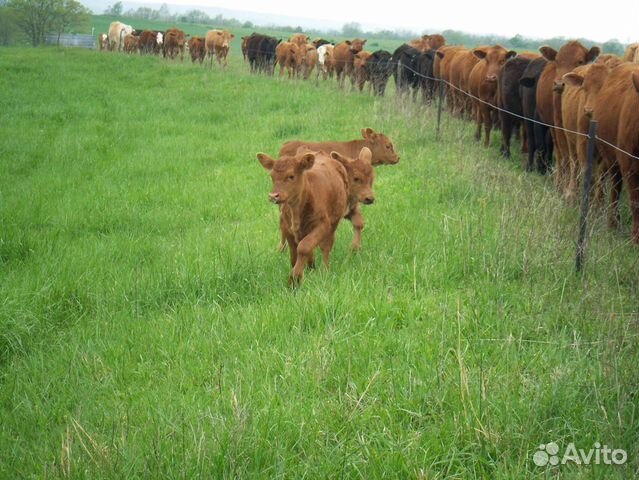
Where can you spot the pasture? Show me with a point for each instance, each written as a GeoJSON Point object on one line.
{"type": "Point", "coordinates": [146, 329]}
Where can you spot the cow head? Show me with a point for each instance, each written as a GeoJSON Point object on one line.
{"type": "Point", "coordinates": [357, 45]}
{"type": "Point", "coordinates": [159, 39]}
{"type": "Point", "coordinates": [287, 175]}
{"type": "Point", "coordinates": [591, 79]}
{"type": "Point", "coordinates": [360, 175]}
{"type": "Point", "coordinates": [570, 56]}
{"type": "Point", "coordinates": [381, 147]}
{"type": "Point", "coordinates": [495, 58]}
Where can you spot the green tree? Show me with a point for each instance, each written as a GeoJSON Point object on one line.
{"type": "Point", "coordinates": [116, 9]}
{"type": "Point", "coordinates": [70, 14]}
{"type": "Point", "coordinates": [8, 28]}
{"type": "Point", "coordinates": [352, 29]}
{"type": "Point", "coordinates": [35, 17]}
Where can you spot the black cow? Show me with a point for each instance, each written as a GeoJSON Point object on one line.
{"type": "Point", "coordinates": [379, 69]}
{"type": "Point", "coordinates": [260, 51]}
{"type": "Point", "coordinates": [426, 77]}
{"type": "Point", "coordinates": [405, 77]}
{"type": "Point", "coordinates": [540, 144]}
{"type": "Point", "coordinates": [510, 99]}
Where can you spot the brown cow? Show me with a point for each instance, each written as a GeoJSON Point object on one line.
{"type": "Point", "coordinates": [482, 83]}
{"type": "Point", "coordinates": [382, 148]}
{"type": "Point", "coordinates": [549, 88]}
{"type": "Point", "coordinates": [461, 65]}
{"type": "Point", "coordinates": [174, 43]}
{"type": "Point", "coordinates": [218, 42]}
{"type": "Point", "coordinates": [616, 108]}
{"type": "Point", "coordinates": [288, 55]}
{"type": "Point", "coordinates": [300, 39]}
{"type": "Point", "coordinates": [428, 42]}
{"type": "Point", "coordinates": [360, 74]}
{"type": "Point", "coordinates": [311, 189]}
{"type": "Point", "coordinates": [131, 43]}
{"type": "Point", "coordinates": [441, 69]}
{"type": "Point", "coordinates": [244, 46]}
{"type": "Point", "coordinates": [197, 49]}
{"type": "Point", "coordinates": [343, 56]}
{"type": "Point", "coordinates": [308, 59]}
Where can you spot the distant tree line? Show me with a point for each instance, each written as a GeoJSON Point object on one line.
{"type": "Point", "coordinates": [32, 20]}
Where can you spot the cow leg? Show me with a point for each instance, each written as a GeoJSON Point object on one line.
{"type": "Point", "coordinates": [478, 120]}
{"type": "Point", "coordinates": [630, 170]}
{"type": "Point", "coordinates": [305, 252]}
{"type": "Point", "coordinates": [506, 133]}
{"type": "Point", "coordinates": [358, 225]}
{"type": "Point", "coordinates": [326, 245]}
{"type": "Point", "coordinates": [488, 125]}
{"type": "Point", "coordinates": [616, 184]}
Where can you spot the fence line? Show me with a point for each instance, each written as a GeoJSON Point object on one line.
{"type": "Point", "coordinates": [515, 114]}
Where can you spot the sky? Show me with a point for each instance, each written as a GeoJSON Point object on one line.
{"type": "Point", "coordinates": [599, 21]}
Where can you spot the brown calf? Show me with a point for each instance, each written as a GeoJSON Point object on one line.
{"type": "Point", "coordinates": [381, 147]}
{"type": "Point", "coordinates": [311, 189]}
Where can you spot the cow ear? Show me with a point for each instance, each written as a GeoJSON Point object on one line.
{"type": "Point", "coordinates": [440, 54]}
{"type": "Point", "coordinates": [232, 35]}
{"type": "Point", "coordinates": [479, 53]}
{"type": "Point", "coordinates": [366, 155]}
{"type": "Point", "coordinates": [306, 162]}
{"type": "Point", "coordinates": [266, 161]}
{"type": "Point", "coordinates": [593, 53]}
{"type": "Point", "coordinates": [347, 42]}
{"type": "Point", "coordinates": [363, 41]}
{"type": "Point", "coordinates": [549, 53]}
{"type": "Point", "coordinates": [511, 54]}
{"type": "Point", "coordinates": [340, 158]}
{"type": "Point", "coordinates": [572, 79]}
{"type": "Point", "coordinates": [635, 80]}
{"type": "Point", "coordinates": [367, 133]}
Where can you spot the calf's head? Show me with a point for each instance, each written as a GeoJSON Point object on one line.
{"type": "Point", "coordinates": [360, 175]}
{"type": "Point", "coordinates": [381, 147]}
{"type": "Point", "coordinates": [287, 175]}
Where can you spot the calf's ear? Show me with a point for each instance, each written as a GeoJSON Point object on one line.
{"type": "Point", "coordinates": [511, 54]}
{"type": "Point", "coordinates": [266, 161]}
{"type": "Point", "coordinates": [306, 162]}
{"type": "Point", "coordinates": [366, 155]}
{"type": "Point", "coordinates": [440, 54]}
{"type": "Point", "coordinates": [592, 54]}
{"type": "Point", "coordinates": [367, 132]}
{"type": "Point", "coordinates": [572, 79]}
{"type": "Point", "coordinates": [340, 158]}
{"type": "Point", "coordinates": [549, 53]}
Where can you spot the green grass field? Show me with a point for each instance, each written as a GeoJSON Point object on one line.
{"type": "Point", "coordinates": [146, 329]}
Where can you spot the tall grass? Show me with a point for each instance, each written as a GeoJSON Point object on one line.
{"type": "Point", "coordinates": [146, 329]}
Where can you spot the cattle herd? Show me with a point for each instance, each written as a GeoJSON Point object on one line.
{"type": "Point", "coordinates": [547, 99]}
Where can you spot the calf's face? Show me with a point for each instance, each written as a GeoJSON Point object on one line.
{"type": "Point", "coordinates": [360, 175]}
{"type": "Point", "coordinates": [381, 147]}
{"type": "Point", "coordinates": [287, 175]}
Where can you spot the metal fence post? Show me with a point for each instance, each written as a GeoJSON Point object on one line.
{"type": "Point", "coordinates": [585, 197]}
{"type": "Point", "coordinates": [439, 106]}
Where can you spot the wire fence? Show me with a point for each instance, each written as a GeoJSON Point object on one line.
{"type": "Point", "coordinates": [468, 94]}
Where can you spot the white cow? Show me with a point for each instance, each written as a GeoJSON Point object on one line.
{"type": "Point", "coordinates": [117, 32]}
{"type": "Point", "coordinates": [324, 53]}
